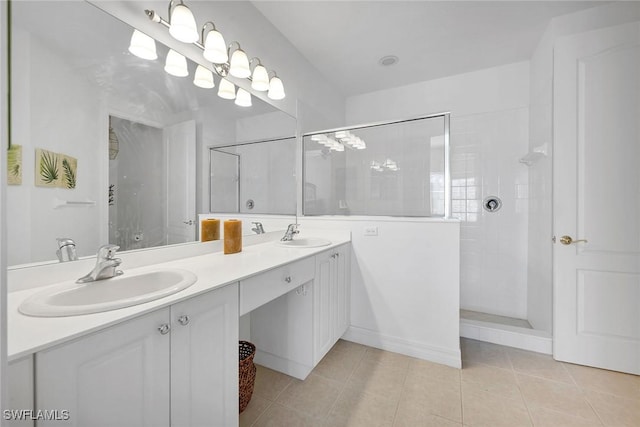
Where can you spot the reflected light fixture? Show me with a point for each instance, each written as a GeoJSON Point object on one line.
{"type": "Point", "coordinates": [143, 46]}
{"type": "Point", "coordinates": [259, 77]}
{"type": "Point", "coordinates": [176, 64]}
{"type": "Point", "coordinates": [226, 90]}
{"type": "Point", "coordinates": [239, 63]}
{"type": "Point", "coordinates": [182, 23]}
{"type": "Point", "coordinates": [276, 89]}
{"type": "Point", "coordinates": [203, 78]}
{"type": "Point", "coordinates": [215, 48]}
{"type": "Point", "coordinates": [243, 98]}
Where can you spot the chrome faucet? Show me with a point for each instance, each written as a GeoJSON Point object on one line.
{"type": "Point", "coordinates": [106, 265]}
{"type": "Point", "coordinates": [66, 249]}
{"type": "Point", "coordinates": [258, 229]}
{"type": "Point", "coordinates": [291, 230]}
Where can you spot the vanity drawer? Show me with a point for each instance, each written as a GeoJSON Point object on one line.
{"type": "Point", "coordinates": [258, 290]}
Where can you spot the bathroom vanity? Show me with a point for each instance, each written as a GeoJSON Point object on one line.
{"type": "Point", "coordinates": [174, 361]}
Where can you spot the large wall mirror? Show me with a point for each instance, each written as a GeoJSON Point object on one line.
{"type": "Point", "coordinates": [108, 146]}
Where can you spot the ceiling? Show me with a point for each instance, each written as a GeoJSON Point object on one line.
{"type": "Point", "coordinates": [345, 40]}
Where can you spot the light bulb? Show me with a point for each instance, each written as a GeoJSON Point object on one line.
{"type": "Point", "coordinates": [239, 66]}
{"type": "Point", "coordinates": [226, 90]}
{"type": "Point", "coordinates": [143, 46]}
{"type": "Point", "coordinates": [276, 89]}
{"type": "Point", "coordinates": [260, 78]}
{"type": "Point", "coordinates": [176, 64]}
{"type": "Point", "coordinates": [183, 25]}
{"type": "Point", "coordinates": [243, 98]}
{"type": "Point", "coordinates": [203, 78]}
{"type": "Point", "coordinates": [215, 49]}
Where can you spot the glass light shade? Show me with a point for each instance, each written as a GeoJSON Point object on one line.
{"type": "Point", "coordinates": [276, 89]}
{"type": "Point", "coordinates": [243, 98]}
{"type": "Point", "coordinates": [215, 49]}
{"type": "Point", "coordinates": [143, 46]}
{"type": "Point", "coordinates": [260, 78]}
{"type": "Point", "coordinates": [183, 25]}
{"type": "Point", "coordinates": [226, 90]}
{"type": "Point", "coordinates": [176, 64]}
{"type": "Point", "coordinates": [239, 66]}
{"type": "Point", "coordinates": [203, 78]}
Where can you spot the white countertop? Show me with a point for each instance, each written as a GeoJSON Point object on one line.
{"type": "Point", "coordinates": [27, 335]}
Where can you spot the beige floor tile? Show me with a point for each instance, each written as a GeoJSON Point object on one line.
{"type": "Point", "coordinates": [386, 358]}
{"type": "Point", "coordinates": [269, 383]}
{"type": "Point", "coordinates": [491, 379]}
{"type": "Point", "coordinates": [338, 365]}
{"type": "Point", "coordinates": [554, 395]}
{"type": "Point", "coordinates": [257, 405]}
{"type": "Point", "coordinates": [538, 365]}
{"type": "Point", "coordinates": [314, 396]}
{"type": "Point", "coordinates": [441, 398]}
{"type": "Point", "coordinates": [385, 379]}
{"type": "Point", "coordinates": [615, 410]}
{"type": "Point", "coordinates": [350, 347]}
{"type": "Point", "coordinates": [483, 352]}
{"type": "Point", "coordinates": [624, 385]}
{"type": "Point", "coordinates": [480, 408]}
{"type": "Point", "coordinates": [433, 371]}
{"type": "Point", "coordinates": [547, 418]}
{"type": "Point", "coordinates": [355, 408]}
{"type": "Point", "coordinates": [280, 416]}
{"type": "Point", "coordinates": [412, 417]}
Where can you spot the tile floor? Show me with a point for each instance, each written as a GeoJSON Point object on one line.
{"type": "Point", "coordinates": [356, 385]}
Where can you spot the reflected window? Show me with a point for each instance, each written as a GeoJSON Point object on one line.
{"type": "Point", "coordinates": [393, 169]}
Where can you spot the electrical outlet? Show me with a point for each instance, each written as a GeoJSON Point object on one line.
{"type": "Point", "coordinates": [371, 231]}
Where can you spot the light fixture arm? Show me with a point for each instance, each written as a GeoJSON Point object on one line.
{"type": "Point", "coordinates": [204, 27]}
{"type": "Point", "coordinates": [172, 3]}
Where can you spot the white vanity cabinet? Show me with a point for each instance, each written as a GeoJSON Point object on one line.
{"type": "Point", "coordinates": [176, 366]}
{"type": "Point", "coordinates": [20, 388]}
{"type": "Point", "coordinates": [295, 330]}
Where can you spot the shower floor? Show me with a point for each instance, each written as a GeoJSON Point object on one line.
{"type": "Point", "coordinates": [492, 318]}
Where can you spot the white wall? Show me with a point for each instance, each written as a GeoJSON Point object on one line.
{"type": "Point", "coordinates": [4, 121]}
{"type": "Point", "coordinates": [489, 133]}
{"type": "Point", "coordinates": [541, 131]}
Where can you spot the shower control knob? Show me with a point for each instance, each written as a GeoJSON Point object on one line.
{"type": "Point", "coordinates": [567, 240]}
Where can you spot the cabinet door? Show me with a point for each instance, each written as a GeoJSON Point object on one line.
{"type": "Point", "coordinates": [322, 304]}
{"type": "Point", "coordinates": [342, 292]}
{"type": "Point", "coordinates": [204, 360]}
{"type": "Point", "coordinates": [115, 377]}
{"type": "Point", "coordinates": [20, 393]}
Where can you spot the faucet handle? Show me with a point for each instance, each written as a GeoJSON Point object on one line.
{"type": "Point", "coordinates": [107, 251]}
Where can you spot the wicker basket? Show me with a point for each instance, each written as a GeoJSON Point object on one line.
{"type": "Point", "coordinates": [247, 371]}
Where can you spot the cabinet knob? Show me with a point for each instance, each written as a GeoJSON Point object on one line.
{"type": "Point", "coordinates": [287, 279]}
{"type": "Point", "coordinates": [336, 255]}
{"type": "Point", "coordinates": [183, 320]}
{"type": "Point", "coordinates": [164, 328]}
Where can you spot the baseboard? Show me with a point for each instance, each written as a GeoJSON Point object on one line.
{"type": "Point", "coordinates": [511, 336]}
{"type": "Point", "coordinates": [449, 357]}
{"type": "Point", "coordinates": [281, 364]}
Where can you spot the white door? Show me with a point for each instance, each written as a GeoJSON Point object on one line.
{"type": "Point", "coordinates": [597, 198]}
{"type": "Point", "coordinates": [180, 142]}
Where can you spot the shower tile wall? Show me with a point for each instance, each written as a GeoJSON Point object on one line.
{"type": "Point", "coordinates": [485, 149]}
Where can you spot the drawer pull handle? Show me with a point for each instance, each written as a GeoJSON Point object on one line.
{"type": "Point", "coordinates": [183, 320]}
{"type": "Point", "coordinates": [164, 328]}
{"type": "Point", "coordinates": [287, 279]}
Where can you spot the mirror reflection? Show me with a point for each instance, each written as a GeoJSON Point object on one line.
{"type": "Point", "coordinates": [135, 139]}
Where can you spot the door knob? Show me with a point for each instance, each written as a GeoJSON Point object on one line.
{"type": "Point", "coordinates": [567, 240]}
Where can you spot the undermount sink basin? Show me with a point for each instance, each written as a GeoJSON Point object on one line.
{"type": "Point", "coordinates": [305, 242]}
{"type": "Point", "coordinates": [70, 298]}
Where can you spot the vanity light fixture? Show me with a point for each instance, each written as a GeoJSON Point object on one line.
{"type": "Point", "coordinates": [143, 46]}
{"type": "Point", "coordinates": [182, 23]}
{"type": "Point", "coordinates": [182, 26]}
{"type": "Point", "coordinates": [259, 77]}
{"type": "Point", "coordinates": [176, 64]}
{"type": "Point", "coordinates": [203, 78]}
{"type": "Point", "coordinates": [226, 90]}
{"type": "Point", "coordinates": [215, 48]}
{"type": "Point", "coordinates": [243, 98]}
{"type": "Point", "coordinates": [239, 63]}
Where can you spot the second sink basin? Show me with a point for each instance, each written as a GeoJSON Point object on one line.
{"type": "Point", "coordinates": [306, 242]}
{"type": "Point", "coordinates": [70, 298]}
